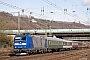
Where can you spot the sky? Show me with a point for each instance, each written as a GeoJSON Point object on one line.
{"type": "Point", "coordinates": [63, 10]}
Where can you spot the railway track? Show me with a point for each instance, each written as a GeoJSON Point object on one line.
{"type": "Point", "coordinates": [64, 55]}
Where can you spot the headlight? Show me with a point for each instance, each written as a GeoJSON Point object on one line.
{"type": "Point", "coordinates": [24, 46]}
{"type": "Point", "coordinates": [15, 47]}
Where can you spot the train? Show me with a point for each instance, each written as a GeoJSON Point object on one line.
{"type": "Point", "coordinates": [30, 44]}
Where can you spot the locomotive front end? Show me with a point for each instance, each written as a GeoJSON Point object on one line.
{"type": "Point", "coordinates": [19, 44]}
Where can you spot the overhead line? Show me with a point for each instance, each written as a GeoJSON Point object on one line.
{"type": "Point", "coordinates": [78, 7]}
{"type": "Point", "coordinates": [6, 4]}
{"type": "Point", "coordinates": [54, 5]}
{"type": "Point", "coordinates": [15, 7]}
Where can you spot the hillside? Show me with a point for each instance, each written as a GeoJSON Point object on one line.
{"type": "Point", "coordinates": [9, 22]}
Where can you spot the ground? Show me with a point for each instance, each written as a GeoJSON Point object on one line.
{"type": "Point", "coordinates": [81, 54]}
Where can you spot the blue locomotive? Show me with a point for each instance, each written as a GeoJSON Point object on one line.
{"type": "Point", "coordinates": [29, 43]}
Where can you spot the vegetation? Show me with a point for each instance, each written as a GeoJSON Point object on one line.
{"type": "Point", "coordinates": [1, 22]}
{"type": "Point", "coordinates": [5, 40]}
{"type": "Point", "coordinates": [10, 22]}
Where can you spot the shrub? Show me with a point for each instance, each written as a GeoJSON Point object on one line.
{"type": "Point", "coordinates": [5, 40]}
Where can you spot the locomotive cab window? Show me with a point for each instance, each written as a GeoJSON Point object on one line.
{"type": "Point", "coordinates": [23, 38]}
{"type": "Point", "coordinates": [20, 38]}
{"type": "Point", "coordinates": [17, 38]}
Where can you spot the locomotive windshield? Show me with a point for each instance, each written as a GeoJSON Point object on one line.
{"type": "Point", "coordinates": [20, 38]}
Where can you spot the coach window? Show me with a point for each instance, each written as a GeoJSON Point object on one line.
{"type": "Point", "coordinates": [60, 43]}
{"type": "Point", "coordinates": [49, 43]}
{"type": "Point", "coordinates": [64, 43]}
{"type": "Point", "coordinates": [70, 43]}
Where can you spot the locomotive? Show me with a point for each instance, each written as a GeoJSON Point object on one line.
{"type": "Point", "coordinates": [30, 44]}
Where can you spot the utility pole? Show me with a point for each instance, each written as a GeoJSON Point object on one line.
{"type": "Point", "coordinates": [88, 9]}
{"type": "Point", "coordinates": [22, 12]}
{"type": "Point", "coordinates": [88, 18]}
{"type": "Point", "coordinates": [42, 13]}
{"type": "Point", "coordinates": [18, 22]}
{"type": "Point", "coordinates": [50, 27]}
{"type": "Point", "coordinates": [30, 17]}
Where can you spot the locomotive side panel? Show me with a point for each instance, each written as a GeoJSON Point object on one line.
{"type": "Point", "coordinates": [38, 41]}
